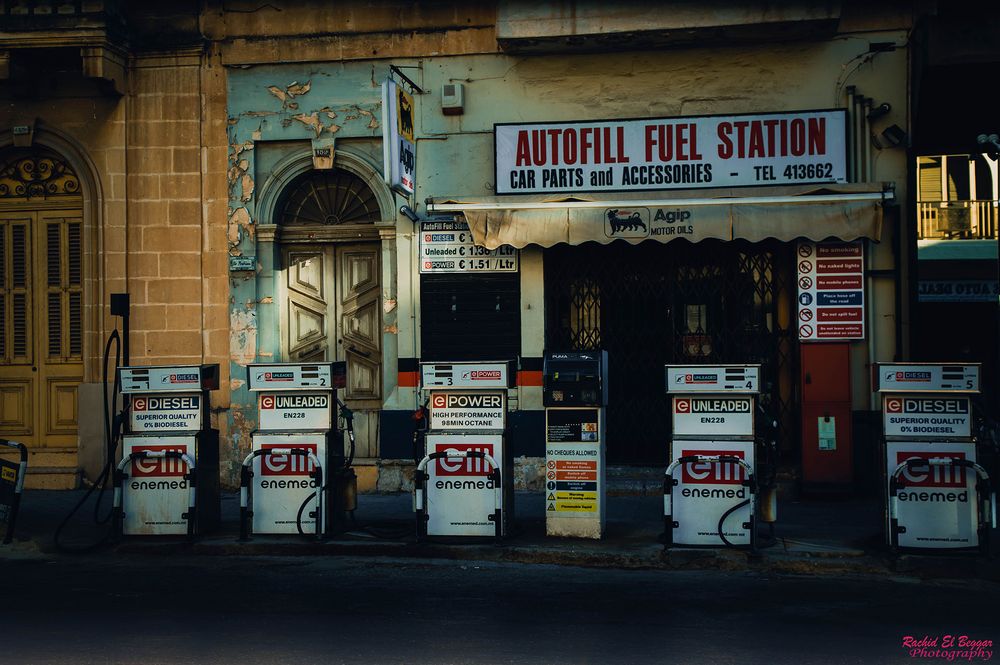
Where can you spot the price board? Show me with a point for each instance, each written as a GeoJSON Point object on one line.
{"type": "Point", "coordinates": [447, 246]}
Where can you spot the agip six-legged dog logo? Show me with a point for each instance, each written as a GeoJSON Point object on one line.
{"type": "Point", "coordinates": [621, 223]}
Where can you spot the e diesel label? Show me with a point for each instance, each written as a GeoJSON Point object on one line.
{"type": "Point", "coordinates": [927, 417]}
{"type": "Point", "coordinates": [167, 412]}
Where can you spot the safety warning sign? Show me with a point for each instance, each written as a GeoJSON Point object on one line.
{"type": "Point", "coordinates": [831, 291]}
{"type": "Point", "coordinates": [573, 461]}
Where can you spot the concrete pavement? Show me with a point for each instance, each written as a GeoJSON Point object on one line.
{"type": "Point", "coordinates": [811, 537]}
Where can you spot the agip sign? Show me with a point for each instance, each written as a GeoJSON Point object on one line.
{"type": "Point", "coordinates": [672, 153]}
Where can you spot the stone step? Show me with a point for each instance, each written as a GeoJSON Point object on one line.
{"type": "Point", "coordinates": [48, 468]}
{"type": "Point", "coordinates": [44, 456]}
{"type": "Point", "coordinates": [52, 478]}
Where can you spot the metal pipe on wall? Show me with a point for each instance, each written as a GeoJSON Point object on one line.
{"type": "Point", "coordinates": [866, 139]}
{"type": "Point", "coordinates": [852, 157]}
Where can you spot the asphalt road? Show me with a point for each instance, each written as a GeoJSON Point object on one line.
{"type": "Point", "coordinates": [144, 609]}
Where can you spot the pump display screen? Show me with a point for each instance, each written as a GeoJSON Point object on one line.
{"type": "Point", "coordinates": [573, 372]}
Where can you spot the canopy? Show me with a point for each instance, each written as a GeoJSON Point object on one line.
{"type": "Point", "coordinates": [815, 212]}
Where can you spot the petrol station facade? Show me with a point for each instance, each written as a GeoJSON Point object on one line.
{"type": "Point", "coordinates": [236, 187]}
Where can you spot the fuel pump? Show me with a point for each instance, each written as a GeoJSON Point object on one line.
{"type": "Point", "coordinates": [709, 492]}
{"type": "Point", "coordinates": [938, 496]}
{"type": "Point", "coordinates": [575, 396]}
{"type": "Point", "coordinates": [463, 485]}
{"type": "Point", "coordinates": [298, 458]}
{"type": "Point", "coordinates": [167, 482]}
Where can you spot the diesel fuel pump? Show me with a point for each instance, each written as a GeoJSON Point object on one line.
{"type": "Point", "coordinates": [937, 494]}
{"type": "Point", "coordinates": [167, 482]}
{"type": "Point", "coordinates": [575, 397]}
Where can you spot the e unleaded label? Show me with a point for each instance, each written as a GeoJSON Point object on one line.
{"type": "Point", "coordinates": [295, 411]}
{"type": "Point", "coordinates": [712, 416]}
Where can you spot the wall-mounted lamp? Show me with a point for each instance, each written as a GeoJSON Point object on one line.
{"type": "Point", "coordinates": [407, 211]}
{"type": "Point", "coordinates": [989, 144]}
{"type": "Point", "coordinates": [879, 111]}
{"type": "Point", "coordinates": [892, 136]}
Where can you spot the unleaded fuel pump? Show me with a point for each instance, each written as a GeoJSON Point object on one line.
{"type": "Point", "coordinates": [464, 485]}
{"type": "Point", "coordinates": [575, 396]}
{"type": "Point", "coordinates": [937, 495]}
{"type": "Point", "coordinates": [293, 479]}
{"type": "Point", "coordinates": [168, 480]}
{"type": "Point", "coordinates": [709, 493]}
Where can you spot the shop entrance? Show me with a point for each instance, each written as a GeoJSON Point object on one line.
{"type": "Point", "coordinates": [652, 304]}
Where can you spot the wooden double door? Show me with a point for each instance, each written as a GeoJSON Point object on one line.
{"type": "Point", "coordinates": [41, 325]}
{"type": "Point", "coordinates": [331, 310]}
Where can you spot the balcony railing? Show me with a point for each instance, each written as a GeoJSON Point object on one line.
{"type": "Point", "coordinates": [957, 220]}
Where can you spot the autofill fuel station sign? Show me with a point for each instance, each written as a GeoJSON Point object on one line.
{"type": "Point", "coordinates": [792, 148]}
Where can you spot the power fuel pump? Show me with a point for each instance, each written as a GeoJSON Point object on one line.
{"type": "Point", "coordinates": [575, 396]}
{"type": "Point", "coordinates": [937, 494]}
{"type": "Point", "coordinates": [463, 485]}
{"type": "Point", "coordinates": [167, 482]}
{"type": "Point", "coordinates": [297, 477]}
{"type": "Point", "coordinates": [710, 488]}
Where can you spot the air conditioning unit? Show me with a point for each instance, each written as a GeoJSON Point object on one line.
{"type": "Point", "coordinates": [954, 217]}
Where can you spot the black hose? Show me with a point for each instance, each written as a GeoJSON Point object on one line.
{"type": "Point", "coordinates": [112, 430]}
{"type": "Point", "coordinates": [298, 515]}
{"type": "Point", "coordinates": [726, 514]}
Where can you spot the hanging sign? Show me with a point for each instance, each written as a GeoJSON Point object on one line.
{"type": "Point", "coordinates": [672, 153]}
{"type": "Point", "coordinates": [398, 145]}
{"type": "Point", "coordinates": [831, 282]}
{"type": "Point", "coordinates": [447, 246]}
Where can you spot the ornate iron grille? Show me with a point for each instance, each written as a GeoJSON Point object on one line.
{"type": "Point", "coordinates": [653, 304]}
{"type": "Point", "coordinates": [329, 197]}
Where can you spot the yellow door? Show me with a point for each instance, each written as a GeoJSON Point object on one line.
{"type": "Point", "coordinates": [41, 326]}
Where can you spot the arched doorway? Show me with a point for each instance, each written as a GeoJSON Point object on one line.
{"type": "Point", "coordinates": [41, 298]}
{"type": "Point", "coordinates": [329, 289]}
